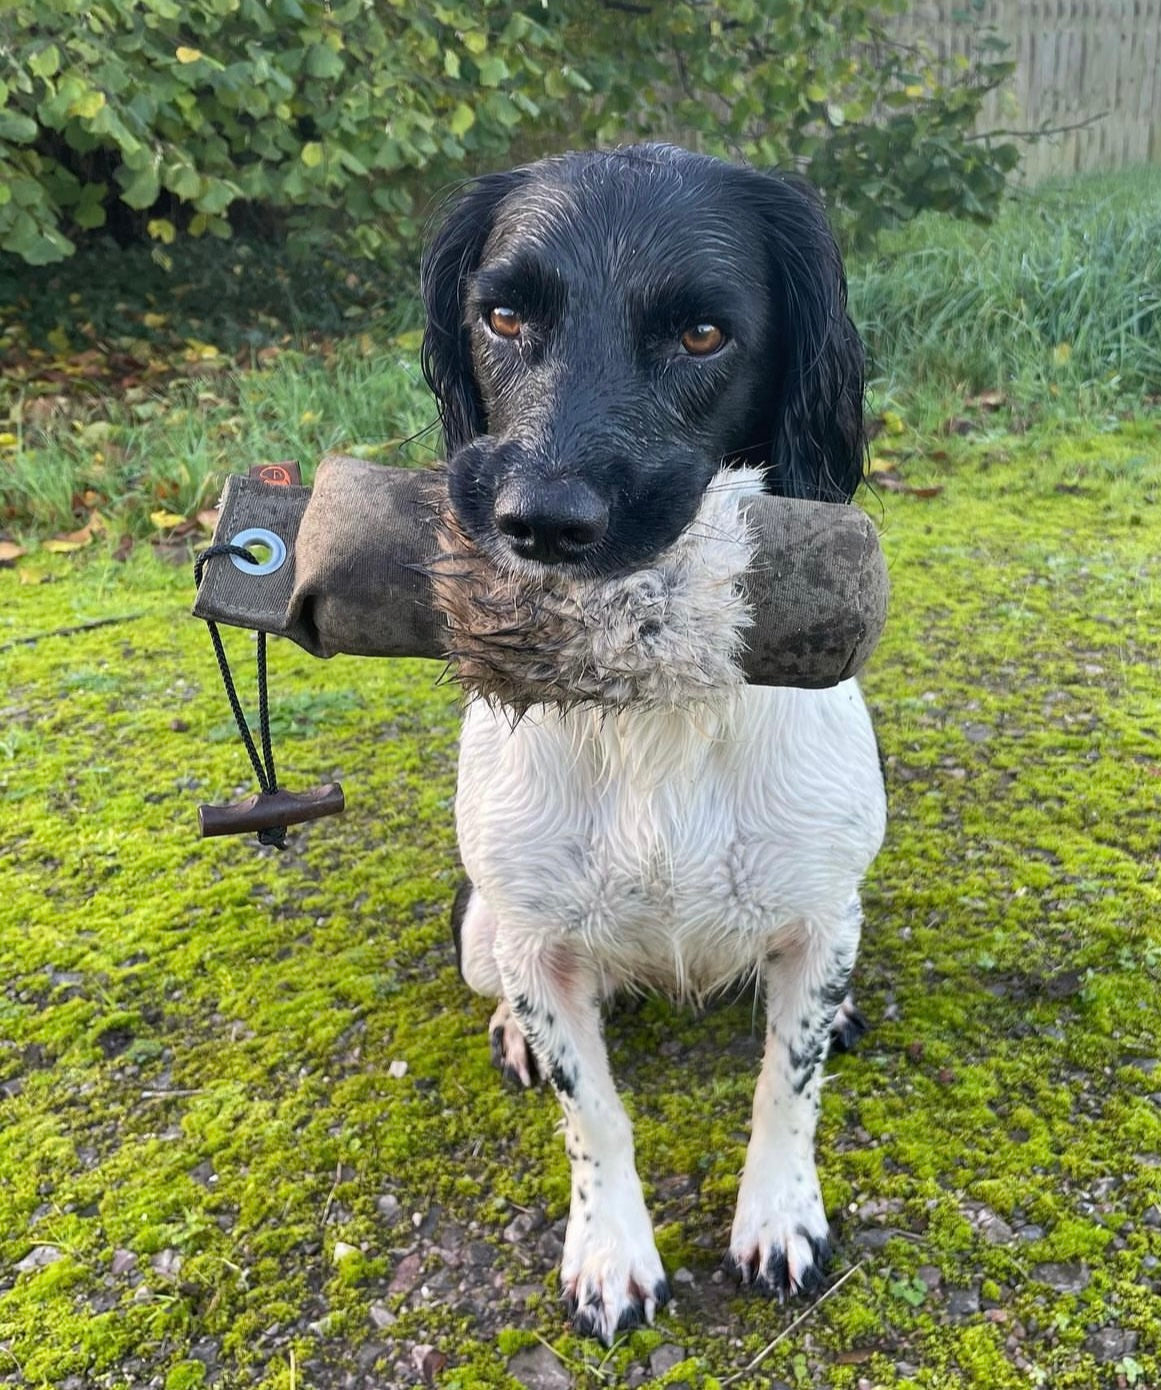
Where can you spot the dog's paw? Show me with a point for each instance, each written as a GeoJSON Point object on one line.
{"type": "Point", "coordinates": [848, 1025]}
{"type": "Point", "coordinates": [511, 1054]}
{"type": "Point", "coordinates": [611, 1275]}
{"type": "Point", "coordinates": [779, 1248]}
{"type": "Point", "coordinates": [612, 1291]}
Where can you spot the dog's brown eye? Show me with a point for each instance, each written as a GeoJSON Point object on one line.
{"type": "Point", "coordinates": [505, 322]}
{"type": "Point", "coordinates": [702, 339]}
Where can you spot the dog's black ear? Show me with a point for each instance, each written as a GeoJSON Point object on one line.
{"type": "Point", "coordinates": [818, 441]}
{"type": "Point", "coordinates": [451, 257]}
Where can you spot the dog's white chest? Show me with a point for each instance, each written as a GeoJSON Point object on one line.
{"type": "Point", "coordinates": [676, 845]}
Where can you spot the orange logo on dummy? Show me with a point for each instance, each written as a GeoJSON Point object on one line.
{"type": "Point", "coordinates": [284, 474]}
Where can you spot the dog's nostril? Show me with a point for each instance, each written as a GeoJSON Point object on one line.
{"type": "Point", "coordinates": [514, 528]}
{"type": "Point", "coordinates": [550, 521]}
{"type": "Point", "coordinates": [580, 537]}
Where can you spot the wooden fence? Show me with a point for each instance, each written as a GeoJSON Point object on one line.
{"type": "Point", "coordinates": [1090, 67]}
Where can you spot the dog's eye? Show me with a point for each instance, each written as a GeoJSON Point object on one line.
{"type": "Point", "coordinates": [506, 323]}
{"type": "Point", "coordinates": [702, 339]}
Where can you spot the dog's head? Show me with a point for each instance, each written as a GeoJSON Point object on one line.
{"type": "Point", "coordinates": [604, 330]}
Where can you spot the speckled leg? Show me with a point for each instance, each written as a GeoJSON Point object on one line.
{"type": "Point", "coordinates": [474, 932]}
{"type": "Point", "coordinates": [779, 1243]}
{"type": "Point", "coordinates": [611, 1274]}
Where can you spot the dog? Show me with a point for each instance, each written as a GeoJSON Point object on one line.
{"type": "Point", "coordinates": [624, 346]}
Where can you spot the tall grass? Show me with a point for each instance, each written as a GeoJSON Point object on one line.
{"type": "Point", "coordinates": [1060, 297]}
{"type": "Point", "coordinates": [170, 452]}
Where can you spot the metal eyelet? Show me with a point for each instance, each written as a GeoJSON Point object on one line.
{"type": "Point", "coordinates": [257, 535]}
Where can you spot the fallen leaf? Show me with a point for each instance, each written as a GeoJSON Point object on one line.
{"type": "Point", "coordinates": [880, 466]}
{"type": "Point", "coordinates": [891, 482]}
{"type": "Point", "coordinates": [990, 400]}
{"type": "Point", "coordinates": [208, 519]}
{"type": "Point", "coordinates": [76, 540]}
{"type": "Point", "coordinates": [28, 575]}
{"type": "Point", "coordinates": [124, 547]}
{"type": "Point", "coordinates": [10, 552]}
{"type": "Point", "coordinates": [164, 520]}
{"type": "Point", "coordinates": [429, 1364]}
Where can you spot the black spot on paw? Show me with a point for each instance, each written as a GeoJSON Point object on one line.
{"type": "Point", "coordinates": [820, 1250]}
{"type": "Point", "coordinates": [496, 1042]}
{"type": "Point", "coordinates": [773, 1279]}
{"type": "Point", "coordinates": [508, 1072]}
{"type": "Point", "coordinates": [848, 1027]}
{"type": "Point", "coordinates": [632, 1315]}
{"type": "Point", "coordinates": [661, 1292]}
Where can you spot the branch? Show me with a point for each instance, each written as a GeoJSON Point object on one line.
{"type": "Point", "coordinates": [797, 1323]}
{"type": "Point", "coordinates": [69, 631]}
{"type": "Point", "coordinates": [1043, 130]}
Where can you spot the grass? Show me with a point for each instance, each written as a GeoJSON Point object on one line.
{"type": "Point", "coordinates": [201, 1127]}
{"type": "Point", "coordinates": [139, 398]}
{"type": "Point", "coordinates": [133, 456]}
{"type": "Point", "coordinates": [1058, 302]}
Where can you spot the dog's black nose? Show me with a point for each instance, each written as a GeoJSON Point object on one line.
{"type": "Point", "coordinates": [550, 520]}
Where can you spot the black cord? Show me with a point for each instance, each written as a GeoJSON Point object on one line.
{"type": "Point", "coordinates": [263, 768]}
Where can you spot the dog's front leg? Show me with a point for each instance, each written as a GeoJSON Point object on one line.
{"type": "Point", "coordinates": [780, 1242]}
{"type": "Point", "coordinates": [611, 1274]}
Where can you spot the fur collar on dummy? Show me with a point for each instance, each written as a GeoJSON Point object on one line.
{"type": "Point", "coordinates": [668, 635]}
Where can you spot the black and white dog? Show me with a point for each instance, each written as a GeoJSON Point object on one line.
{"type": "Point", "coordinates": [624, 347]}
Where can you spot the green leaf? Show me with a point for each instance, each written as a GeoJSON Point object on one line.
{"type": "Point", "coordinates": [492, 71]}
{"type": "Point", "coordinates": [143, 188]}
{"type": "Point", "coordinates": [21, 130]}
{"type": "Point", "coordinates": [312, 154]}
{"type": "Point", "coordinates": [183, 180]}
{"type": "Point", "coordinates": [108, 122]}
{"type": "Point", "coordinates": [87, 105]}
{"type": "Point", "coordinates": [216, 196]}
{"type": "Point", "coordinates": [46, 63]}
{"type": "Point", "coordinates": [323, 61]}
{"type": "Point", "coordinates": [89, 215]}
{"type": "Point", "coordinates": [461, 119]}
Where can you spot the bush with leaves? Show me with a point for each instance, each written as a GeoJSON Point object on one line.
{"type": "Point", "coordinates": [883, 127]}
{"type": "Point", "coordinates": [334, 112]}
{"type": "Point", "coordinates": [340, 119]}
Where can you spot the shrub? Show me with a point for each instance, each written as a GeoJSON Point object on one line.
{"type": "Point", "coordinates": [157, 117]}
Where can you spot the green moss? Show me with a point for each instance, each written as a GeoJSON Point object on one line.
{"type": "Point", "coordinates": [195, 1037]}
{"type": "Point", "coordinates": [186, 1375]}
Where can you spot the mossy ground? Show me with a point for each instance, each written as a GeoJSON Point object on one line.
{"type": "Point", "coordinates": [196, 1038]}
